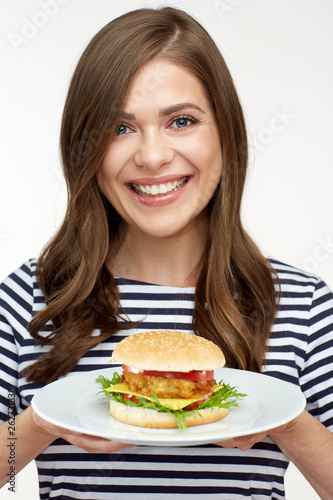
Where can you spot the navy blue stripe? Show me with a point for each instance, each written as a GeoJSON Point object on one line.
{"type": "Point", "coordinates": [321, 348]}
{"type": "Point", "coordinates": [320, 411]}
{"type": "Point", "coordinates": [324, 378]}
{"type": "Point", "coordinates": [282, 376]}
{"type": "Point", "coordinates": [283, 268]}
{"type": "Point", "coordinates": [282, 349]}
{"type": "Point", "coordinates": [6, 336]}
{"type": "Point", "coordinates": [294, 307]}
{"type": "Point", "coordinates": [170, 311]}
{"type": "Point", "coordinates": [148, 474]}
{"type": "Point", "coordinates": [15, 297]}
{"type": "Point", "coordinates": [321, 316]}
{"type": "Point", "coordinates": [12, 312]}
{"type": "Point", "coordinates": [285, 362]}
{"type": "Point", "coordinates": [164, 326]}
{"type": "Point", "coordinates": [21, 283]}
{"type": "Point", "coordinates": [292, 321]}
{"type": "Point", "coordinates": [135, 487]}
{"type": "Point", "coordinates": [8, 354]}
{"type": "Point", "coordinates": [163, 459]}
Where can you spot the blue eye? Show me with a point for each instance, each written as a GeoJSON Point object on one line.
{"type": "Point", "coordinates": [122, 129]}
{"type": "Point", "coordinates": [183, 122]}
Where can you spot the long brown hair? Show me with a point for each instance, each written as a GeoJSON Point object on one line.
{"type": "Point", "coordinates": [235, 300]}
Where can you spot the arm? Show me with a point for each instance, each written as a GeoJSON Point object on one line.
{"type": "Point", "coordinates": [33, 435]}
{"type": "Point", "coordinates": [307, 443]}
{"type": "Point", "coordinates": [27, 443]}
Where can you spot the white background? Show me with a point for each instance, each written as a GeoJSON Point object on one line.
{"type": "Point", "coordinates": [279, 53]}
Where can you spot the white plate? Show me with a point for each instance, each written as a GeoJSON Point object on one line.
{"type": "Point", "coordinates": [72, 402]}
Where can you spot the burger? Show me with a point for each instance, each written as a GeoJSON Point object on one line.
{"type": "Point", "coordinates": [168, 381]}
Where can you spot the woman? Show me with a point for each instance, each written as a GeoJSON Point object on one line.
{"type": "Point", "coordinates": [154, 152]}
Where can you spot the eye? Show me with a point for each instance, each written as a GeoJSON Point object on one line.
{"type": "Point", "coordinates": [183, 122]}
{"type": "Point", "coordinates": [123, 129]}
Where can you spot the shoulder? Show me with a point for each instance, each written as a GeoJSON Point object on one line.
{"type": "Point", "coordinates": [303, 296]}
{"type": "Point", "coordinates": [24, 277]}
{"type": "Point", "coordinates": [288, 274]}
{"type": "Point", "coordinates": [295, 281]}
{"type": "Point", "coordinates": [19, 290]}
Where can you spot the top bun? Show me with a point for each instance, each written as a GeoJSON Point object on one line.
{"type": "Point", "coordinates": [168, 350]}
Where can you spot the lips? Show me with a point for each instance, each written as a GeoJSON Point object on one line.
{"type": "Point", "coordinates": [159, 191]}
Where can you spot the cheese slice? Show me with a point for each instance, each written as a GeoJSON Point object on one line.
{"type": "Point", "coordinates": [175, 404]}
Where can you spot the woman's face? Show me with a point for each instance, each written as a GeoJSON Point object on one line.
{"type": "Point", "coordinates": [164, 164]}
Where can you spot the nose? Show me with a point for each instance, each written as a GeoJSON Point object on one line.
{"type": "Point", "coordinates": [153, 151]}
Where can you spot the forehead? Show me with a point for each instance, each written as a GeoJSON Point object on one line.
{"type": "Point", "coordinates": [161, 82]}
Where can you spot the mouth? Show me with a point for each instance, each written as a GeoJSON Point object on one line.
{"type": "Point", "coordinates": [159, 190]}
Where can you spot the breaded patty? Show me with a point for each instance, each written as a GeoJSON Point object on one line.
{"type": "Point", "coordinates": [165, 387]}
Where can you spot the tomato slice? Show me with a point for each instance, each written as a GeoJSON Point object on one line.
{"type": "Point", "coordinates": [194, 375]}
{"type": "Point", "coordinates": [130, 397]}
{"type": "Point", "coordinates": [196, 405]}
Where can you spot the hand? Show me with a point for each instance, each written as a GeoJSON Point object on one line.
{"type": "Point", "coordinates": [88, 443]}
{"type": "Point", "coordinates": [246, 442]}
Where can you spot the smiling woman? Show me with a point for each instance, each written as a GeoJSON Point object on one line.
{"type": "Point", "coordinates": [192, 236]}
{"type": "Point", "coordinates": [154, 152]}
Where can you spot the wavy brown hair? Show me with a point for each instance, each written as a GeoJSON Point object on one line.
{"type": "Point", "coordinates": [235, 300]}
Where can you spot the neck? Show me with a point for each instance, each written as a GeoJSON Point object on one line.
{"type": "Point", "coordinates": [170, 261]}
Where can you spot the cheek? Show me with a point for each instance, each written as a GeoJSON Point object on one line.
{"type": "Point", "coordinates": [210, 176]}
{"type": "Point", "coordinates": [211, 169]}
{"type": "Point", "coordinates": [114, 157]}
{"type": "Point", "coordinates": [110, 170]}
{"type": "Point", "coordinates": [117, 155]}
{"type": "Point", "coordinates": [107, 184]}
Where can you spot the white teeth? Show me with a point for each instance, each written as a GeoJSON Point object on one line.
{"type": "Point", "coordinates": [154, 190]}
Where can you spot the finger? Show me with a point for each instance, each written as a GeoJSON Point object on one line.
{"type": "Point", "coordinates": [230, 443]}
{"type": "Point", "coordinates": [93, 443]}
{"type": "Point", "coordinates": [241, 445]}
{"type": "Point", "coordinates": [87, 442]}
{"type": "Point", "coordinates": [243, 442]}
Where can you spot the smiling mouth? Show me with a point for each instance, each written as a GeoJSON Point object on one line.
{"type": "Point", "coordinates": [159, 189]}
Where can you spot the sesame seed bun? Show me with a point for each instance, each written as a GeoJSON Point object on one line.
{"type": "Point", "coordinates": [168, 350]}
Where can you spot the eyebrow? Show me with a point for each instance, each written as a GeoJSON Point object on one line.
{"type": "Point", "coordinates": [168, 111]}
{"type": "Point", "coordinates": [180, 107]}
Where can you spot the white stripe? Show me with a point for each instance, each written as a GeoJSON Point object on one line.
{"type": "Point", "coordinates": [155, 289]}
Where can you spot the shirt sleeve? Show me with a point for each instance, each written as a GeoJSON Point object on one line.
{"type": "Point", "coordinates": [316, 379]}
{"type": "Point", "coordinates": [16, 301]}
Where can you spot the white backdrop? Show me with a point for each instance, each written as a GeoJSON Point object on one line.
{"type": "Point", "coordinates": [279, 53]}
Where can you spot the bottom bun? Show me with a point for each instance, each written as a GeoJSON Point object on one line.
{"type": "Point", "coordinates": [146, 417]}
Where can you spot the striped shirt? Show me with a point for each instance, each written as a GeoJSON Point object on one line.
{"type": "Point", "coordinates": [300, 351]}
